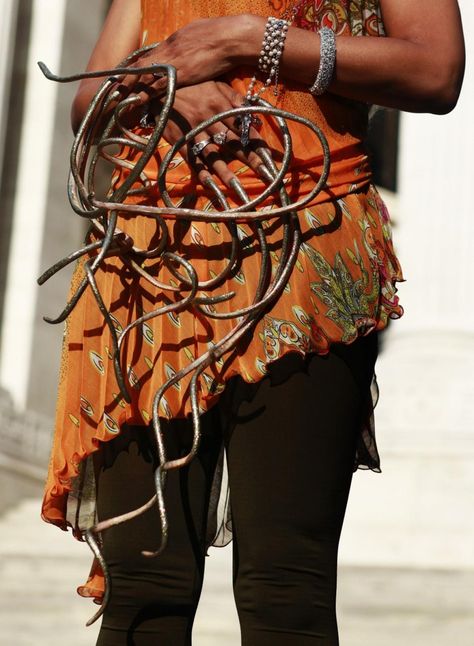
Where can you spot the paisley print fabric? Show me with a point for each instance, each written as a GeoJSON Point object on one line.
{"type": "Point", "coordinates": [360, 17]}
{"type": "Point", "coordinates": [343, 284]}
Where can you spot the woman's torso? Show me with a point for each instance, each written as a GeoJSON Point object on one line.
{"type": "Point", "coordinates": [344, 122]}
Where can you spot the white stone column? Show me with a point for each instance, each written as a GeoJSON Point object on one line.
{"type": "Point", "coordinates": [7, 33]}
{"type": "Point", "coordinates": [420, 510]}
{"type": "Point", "coordinates": [30, 203]}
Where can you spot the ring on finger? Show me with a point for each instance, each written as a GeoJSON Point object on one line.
{"type": "Point", "coordinates": [220, 137]}
{"type": "Point", "coordinates": [200, 145]}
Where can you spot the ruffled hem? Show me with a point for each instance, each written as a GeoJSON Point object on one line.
{"type": "Point", "coordinates": [367, 458]}
{"type": "Point", "coordinates": [220, 518]}
{"type": "Point", "coordinates": [56, 495]}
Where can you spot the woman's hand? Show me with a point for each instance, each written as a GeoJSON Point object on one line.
{"type": "Point", "coordinates": [195, 104]}
{"type": "Point", "coordinates": [202, 50]}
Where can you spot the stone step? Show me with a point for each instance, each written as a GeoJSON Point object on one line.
{"type": "Point", "coordinates": [40, 567]}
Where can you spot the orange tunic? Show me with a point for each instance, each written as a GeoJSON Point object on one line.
{"type": "Point", "coordinates": [343, 284]}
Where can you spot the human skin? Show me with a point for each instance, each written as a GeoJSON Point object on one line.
{"type": "Point", "coordinates": [418, 67]}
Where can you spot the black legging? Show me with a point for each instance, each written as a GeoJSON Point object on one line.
{"type": "Point", "coordinates": [290, 444]}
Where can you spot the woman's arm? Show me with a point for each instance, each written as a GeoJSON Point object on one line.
{"type": "Point", "coordinates": [119, 37]}
{"type": "Point", "coordinates": [418, 67]}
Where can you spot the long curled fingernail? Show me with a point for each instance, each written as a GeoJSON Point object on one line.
{"type": "Point", "coordinates": [265, 154]}
{"type": "Point", "coordinates": [211, 184]}
{"type": "Point", "coordinates": [239, 189]}
{"type": "Point", "coordinates": [264, 172]}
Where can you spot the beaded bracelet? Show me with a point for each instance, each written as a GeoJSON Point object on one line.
{"type": "Point", "coordinates": [327, 62]}
{"type": "Point", "coordinates": [268, 63]}
{"type": "Point", "coordinates": [272, 48]}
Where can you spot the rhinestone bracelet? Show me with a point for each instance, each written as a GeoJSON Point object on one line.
{"type": "Point", "coordinates": [327, 62]}
{"type": "Point", "coordinates": [268, 63]}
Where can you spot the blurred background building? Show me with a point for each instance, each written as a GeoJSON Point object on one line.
{"type": "Point", "coordinates": [36, 223]}
{"type": "Point", "coordinates": [419, 512]}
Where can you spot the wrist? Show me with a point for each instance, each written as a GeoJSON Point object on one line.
{"type": "Point", "coordinates": [245, 39]}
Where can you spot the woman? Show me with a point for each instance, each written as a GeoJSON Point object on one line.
{"type": "Point", "coordinates": [292, 401]}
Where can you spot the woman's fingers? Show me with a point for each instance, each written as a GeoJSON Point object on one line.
{"type": "Point", "coordinates": [212, 151]}
{"type": "Point", "coordinates": [232, 148]}
{"type": "Point", "coordinates": [248, 154]}
{"type": "Point", "coordinates": [221, 143]}
{"type": "Point", "coordinates": [210, 154]}
{"type": "Point", "coordinates": [211, 159]}
{"type": "Point", "coordinates": [146, 84]}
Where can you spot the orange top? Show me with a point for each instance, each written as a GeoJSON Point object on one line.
{"type": "Point", "coordinates": [343, 284]}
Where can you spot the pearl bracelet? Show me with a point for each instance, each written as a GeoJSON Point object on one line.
{"type": "Point", "coordinates": [272, 47]}
{"type": "Point", "coordinates": [327, 62]}
{"type": "Point", "coordinates": [268, 63]}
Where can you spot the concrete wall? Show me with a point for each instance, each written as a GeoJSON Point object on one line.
{"type": "Point", "coordinates": [63, 230]}
{"type": "Point", "coordinates": [44, 228]}
{"type": "Point", "coordinates": [37, 225]}
{"type": "Point", "coordinates": [419, 511]}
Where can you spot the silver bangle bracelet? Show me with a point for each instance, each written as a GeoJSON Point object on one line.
{"type": "Point", "coordinates": [327, 62]}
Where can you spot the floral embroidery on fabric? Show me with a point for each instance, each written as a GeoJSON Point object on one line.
{"type": "Point", "coordinates": [278, 333]}
{"type": "Point", "coordinates": [359, 18]}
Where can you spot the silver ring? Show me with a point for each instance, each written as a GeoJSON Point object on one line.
{"type": "Point", "coordinates": [199, 147]}
{"type": "Point", "coordinates": [220, 137]}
